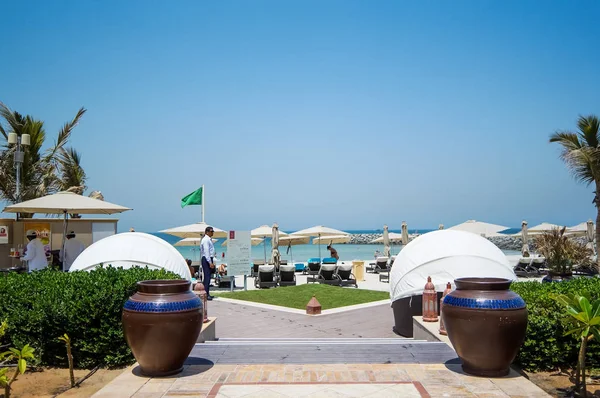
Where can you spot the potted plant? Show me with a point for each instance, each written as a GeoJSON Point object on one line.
{"type": "Point", "coordinates": [561, 254]}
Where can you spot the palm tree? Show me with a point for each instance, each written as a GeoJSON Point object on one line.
{"type": "Point", "coordinates": [43, 172]}
{"type": "Point", "coordinates": [581, 154]}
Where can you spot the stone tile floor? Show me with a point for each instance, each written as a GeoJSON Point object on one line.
{"type": "Point", "coordinates": [319, 380]}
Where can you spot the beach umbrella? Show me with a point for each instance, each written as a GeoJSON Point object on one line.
{"type": "Point", "coordinates": [590, 235]}
{"type": "Point", "coordinates": [330, 240]}
{"type": "Point", "coordinates": [387, 251]}
{"type": "Point", "coordinates": [578, 230]}
{"type": "Point", "coordinates": [253, 241]}
{"type": "Point", "coordinates": [541, 228]}
{"type": "Point", "coordinates": [190, 242]}
{"type": "Point", "coordinates": [441, 226]}
{"type": "Point", "coordinates": [194, 231]}
{"type": "Point", "coordinates": [404, 233]}
{"type": "Point", "coordinates": [524, 239]}
{"type": "Point", "coordinates": [319, 231]}
{"type": "Point", "coordinates": [65, 203]}
{"type": "Point", "coordinates": [275, 257]}
{"type": "Point", "coordinates": [293, 240]}
{"type": "Point", "coordinates": [264, 232]}
{"type": "Point", "coordinates": [392, 236]}
{"type": "Point", "coordinates": [480, 228]}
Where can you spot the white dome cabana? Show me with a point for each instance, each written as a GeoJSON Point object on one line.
{"type": "Point", "coordinates": [445, 255]}
{"type": "Point", "coordinates": [132, 249]}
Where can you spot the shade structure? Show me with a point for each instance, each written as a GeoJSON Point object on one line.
{"type": "Point", "coordinates": [65, 203]}
{"type": "Point", "coordinates": [318, 231]}
{"type": "Point", "coordinates": [387, 250]}
{"type": "Point", "coordinates": [579, 229]}
{"type": "Point", "coordinates": [253, 241]}
{"type": "Point", "coordinates": [445, 255]}
{"type": "Point", "coordinates": [329, 240]}
{"type": "Point", "coordinates": [190, 242]}
{"type": "Point", "coordinates": [404, 233]}
{"type": "Point", "coordinates": [293, 240]}
{"type": "Point", "coordinates": [480, 228]}
{"type": "Point", "coordinates": [132, 249]}
{"type": "Point", "coordinates": [194, 231]}
{"type": "Point", "coordinates": [524, 239]}
{"type": "Point", "coordinates": [393, 236]}
{"type": "Point", "coordinates": [264, 232]}
{"type": "Point", "coordinates": [275, 256]}
{"type": "Point", "coordinates": [590, 236]}
{"type": "Point", "coordinates": [540, 229]}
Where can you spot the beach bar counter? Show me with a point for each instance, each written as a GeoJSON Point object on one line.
{"type": "Point", "coordinates": [50, 231]}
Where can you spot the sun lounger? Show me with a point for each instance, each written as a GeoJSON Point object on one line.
{"type": "Point", "coordinates": [300, 267]}
{"type": "Point", "coordinates": [329, 260]}
{"type": "Point", "coordinates": [327, 275]}
{"type": "Point", "coordinates": [344, 273]}
{"type": "Point", "coordinates": [287, 275]}
{"type": "Point", "coordinates": [525, 269]}
{"type": "Point", "coordinates": [265, 277]}
{"type": "Point", "coordinates": [381, 265]}
{"type": "Point", "coordinates": [255, 265]}
{"type": "Point", "coordinates": [312, 269]}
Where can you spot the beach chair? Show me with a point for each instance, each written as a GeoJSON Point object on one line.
{"type": "Point", "coordinates": [300, 267]}
{"type": "Point", "coordinates": [381, 265]}
{"type": "Point", "coordinates": [345, 275]}
{"type": "Point", "coordinates": [525, 269]}
{"type": "Point", "coordinates": [329, 260]}
{"type": "Point", "coordinates": [265, 277]}
{"type": "Point", "coordinates": [282, 262]}
{"type": "Point", "coordinates": [287, 275]}
{"type": "Point", "coordinates": [255, 265]}
{"type": "Point", "coordinates": [312, 269]}
{"type": "Point", "coordinates": [327, 275]}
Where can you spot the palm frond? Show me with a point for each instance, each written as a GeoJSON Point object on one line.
{"type": "Point", "coordinates": [589, 129]}
{"type": "Point", "coordinates": [64, 134]}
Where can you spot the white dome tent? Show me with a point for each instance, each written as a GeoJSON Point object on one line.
{"type": "Point", "coordinates": [132, 249]}
{"type": "Point", "coordinates": [444, 255]}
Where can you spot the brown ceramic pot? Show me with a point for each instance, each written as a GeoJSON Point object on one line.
{"type": "Point", "coordinates": [486, 323]}
{"type": "Point", "coordinates": [162, 322]}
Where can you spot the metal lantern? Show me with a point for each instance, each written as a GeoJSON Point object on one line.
{"type": "Point", "coordinates": [430, 303]}
{"type": "Point", "coordinates": [442, 327]}
{"type": "Point", "coordinates": [201, 292]}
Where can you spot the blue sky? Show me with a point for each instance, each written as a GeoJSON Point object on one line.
{"type": "Point", "coordinates": [350, 114]}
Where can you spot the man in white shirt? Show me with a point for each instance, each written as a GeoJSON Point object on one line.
{"type": "Point", "coordinates": [207, 253]}
{"type": "Point", "coordinates": [36, 254]}
{"type": "Point", "coordinates": [73, 248]}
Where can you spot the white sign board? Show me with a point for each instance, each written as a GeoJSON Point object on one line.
{"type": "Point", "coordinates": [3, 234]}
{"type": "Point", "coordinates": [238, 253]}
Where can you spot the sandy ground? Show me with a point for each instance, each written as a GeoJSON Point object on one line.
{"type": "Point", "coordinates": [557, 383]}
{"type": "Point", "coordinates": [50, 382]}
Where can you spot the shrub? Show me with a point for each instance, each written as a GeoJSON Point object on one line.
{"type": "Point", "coordinates": [85, 305]}
{"type": "Point", "coordinates": [546, 347]}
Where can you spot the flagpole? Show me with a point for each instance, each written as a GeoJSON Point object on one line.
{"type": "Point", "coordinates": [202, 202]}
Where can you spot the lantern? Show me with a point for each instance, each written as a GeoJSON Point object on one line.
{"type": "Point", "coordinates": [430, 304]}
{"type": "Point", "coordinates": [201, 292]}
{"type": "Point", "coordinates": [442, 327]}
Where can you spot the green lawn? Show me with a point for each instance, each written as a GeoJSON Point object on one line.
{"type": "Point", "coordinates": [298, 296]}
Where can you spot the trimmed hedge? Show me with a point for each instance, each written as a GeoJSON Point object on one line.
{"type": "Point", "coordinates": [546, 347]}
{"type": "Point", "coordinates": [44, 305]}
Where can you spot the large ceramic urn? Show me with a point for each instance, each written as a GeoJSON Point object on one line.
{"type": "Point", "coordinates": [162, 322]}
{"type": "Point", "coordinates": [486, 323]}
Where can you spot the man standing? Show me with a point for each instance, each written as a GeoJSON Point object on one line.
{"type": "Point", "coordinates": [207, 253]}
{"type": "Point", "coordinates": [73, 248]}
{"type": "Point", "coordinates": [36, 254]}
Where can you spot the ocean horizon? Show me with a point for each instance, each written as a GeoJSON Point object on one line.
{"type": "Point", "coordinates": [301, 253]}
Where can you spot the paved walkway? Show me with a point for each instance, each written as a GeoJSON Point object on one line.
{"type": "Point", "coordinates": [239, 320]}
{"type": "Point", "coordinates": [318, 380]}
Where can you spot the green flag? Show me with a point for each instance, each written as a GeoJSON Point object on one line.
{"type": "Point", "coordinates": [195, 198]}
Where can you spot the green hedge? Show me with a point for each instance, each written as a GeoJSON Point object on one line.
{"type": "Point", "coordinates": [44, 305]}
{"type": "Point", "coordinates": [546, 347]}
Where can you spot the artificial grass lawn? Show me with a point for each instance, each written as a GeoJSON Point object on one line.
{"type": "Point", "coordinates": [298, 296]}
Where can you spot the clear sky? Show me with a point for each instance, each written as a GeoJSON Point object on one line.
{"type": "Point", "coordinates": [350, 114]}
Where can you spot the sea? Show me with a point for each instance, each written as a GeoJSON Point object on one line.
{"type": "Point", "coordinates": [301, 253]}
